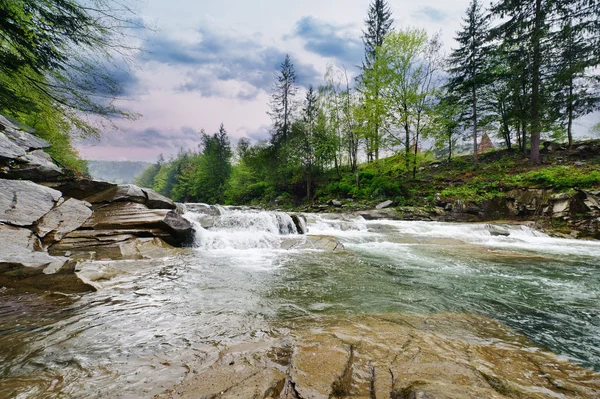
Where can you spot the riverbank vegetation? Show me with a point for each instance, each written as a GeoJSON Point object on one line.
{"type": "Point", "coordinates": [57, 64]}
{"type": "Point", "coordinates": [521, 74]}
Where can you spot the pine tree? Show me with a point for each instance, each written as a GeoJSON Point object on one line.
{"type": "Point", "coordinates": [467, 64]}
{"type": "Point", "coordinates": [282, 102]}
{"type": "Point", "coordinates": [576, 88]}
{"type": "Point", "coordinates": [378, 25]}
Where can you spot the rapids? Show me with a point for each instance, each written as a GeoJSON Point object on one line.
{"type": "Point", "coordinates": [137, 335]}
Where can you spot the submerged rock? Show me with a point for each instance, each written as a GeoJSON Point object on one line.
{"type": "Point", "coordinates": [441, 356]}
{"type": "Point", "coordinates": [323, 243]}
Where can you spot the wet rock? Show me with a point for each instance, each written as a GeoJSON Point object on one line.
{"type": "Point", "coordinates": [439, 356]}
{"type": "Point", "coordinates": [23, 264]}
{"type": "Point", "coordinates": [497, 231]}
{"type": "Point", "coordinates": [377, 214]}
{"type": "Point", "coordinates": [23, 202]}
{"type": "Point", "coordinates": [156, 201]}
{"type": "Point", "coordinates": [62, 220]}
{"type": "Point", "coordinates": [130, 215]}
{"type": "Point", "coordinates": [336, 203]}
{"type": "Point", "coordinates": [112, 244]}
{"type": "Point", "coordinates": [78, 188]}
{"type": "Point", "coordinates": [385, 204]}
{"type": "Point", "coordinates": [300, 223]}
{"type": "Point", "coordinates": [210, 210]}
{"type": "Point", "coordinates": [323, 243]}
{"type": "Point", "coordinates": [116, 193]}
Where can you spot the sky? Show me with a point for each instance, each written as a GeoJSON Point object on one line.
{"type": "Point", "coordinates": [204, 63]}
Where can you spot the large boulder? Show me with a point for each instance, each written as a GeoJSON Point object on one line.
{"type": "Point", "coordinates": [112, 244]}
{"type": "Point", "coordinates": [131, 215]}
{"type": "Point", "coordinates": [156, 201]}
{"type": "Point", "coordinates": [35, 165]}
{"type": "Point", "coordinates": [79, 188]}
{"type": "Point", "coordinates": [22, 203]}
{"type": "Point", "coordinates": [24, 264]}
{"type": "Point", "coordinates": [132, 193]}
{"type": "Point", "coordinates": [62, 220]}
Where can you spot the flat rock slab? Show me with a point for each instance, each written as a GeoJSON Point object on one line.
{"type": "Point", "coordinates": [156, 201]}
{"type": "Point", "coordinates": [78, 188]}
{"type": "Point", "coordinates": [22, 202]}
{"type": "Point", "coordinates": [441, 356]}
{"type": "Point", "coordinates": [23, 139]}
{"type": "Point", "coordinates": [8, 149]}
{"type": "Point", "coordinates": [131, 215]}
{"type": "Point", "coordinates": [121, 192]}
{"type": "Point", "coordinates": [63, 219]}
{"type": "Point", "coordinates": [35, 165]}
{"type": "Point", "coordinates": [322, 243]}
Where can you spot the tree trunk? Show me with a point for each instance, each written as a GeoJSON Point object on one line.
{"type": "Point", "coordinates": [475, 149]}
{"type": "Point", "coordinates": [570, 114]}
{"type": "Point", "coordinates": [535, 85]}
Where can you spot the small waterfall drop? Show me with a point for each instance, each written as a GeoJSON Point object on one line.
{"type": "Point", "coordinates": [219, 227]}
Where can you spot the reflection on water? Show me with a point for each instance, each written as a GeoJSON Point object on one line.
{"type": "Point", "coordinates": [136, 335]}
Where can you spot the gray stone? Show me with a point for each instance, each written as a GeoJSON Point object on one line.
{"type": "Point", "coordinates": [63, 219]}
{"type": "Point", "coordinates": [131, 215]}
{"type": "Point", "coordinates": [323, 243]}
{"type": "Point", "coordinates": [35, 165]}
{"type": "Point", "coordinates": [156, 201]}
{"type": "Point", "coordinates": [22, 202]}
{"type": "Point", "coordinates": [8, 149]}
{"type": "Point", "coordinates": [121, 192]}
{"type": "Point", "coordinates": [336, 203]}
{"type": "Point", "coordinates": [78, 188]}
{"type": "Point", "coordinates": [210, 210]}
{"type": "Point", "coordinates": [20, 137]}
{"type": "Point", "coordinates": [560, 207]}
{"type": "Point", "coordinates": [385, 204]}
{"type": "Point", "coordinates": [22, 263]}
{"type": "Point", "coordinates": [579, 163]}
{"type": "Point", "coordinates": [111, 244]}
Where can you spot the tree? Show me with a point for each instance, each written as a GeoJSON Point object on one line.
{"type": "Point", "coordinates": [575, 86]}
{"type": "Point", "coordinates": [282, 101]}
{"type": "Point", "coordinates": [408, 63]}
{"type": "Point", "coordinates": [378, 24]}
{"type": "Point", "coordinates": [55, 51]}
{"type": "Point", "coordinates": [467, 64]}
{"type": "Point", "coordinates": [448, 122]}
{"type": "Point", "coordinates": [309, 126]}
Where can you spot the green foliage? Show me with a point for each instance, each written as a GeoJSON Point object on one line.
{"type": "Point", "coordinates": [560, 178]}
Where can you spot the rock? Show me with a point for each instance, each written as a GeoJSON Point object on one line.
{"type": "Point", "coordinates": [20, 137]}
{"type": "Point", "coordinates": [336, 203]}
{"type": "Point", "coordinates": [433, 356]}
{"type": "Point", "coordinates": [35, 166]}
{"type": "Point", "coordinates": [300, 223]}
{"type": "Point", "coordinates": [24, 265]}
{"type": "Point", "coordinates": [78, 188]}
{"type": "Point", "coordinates": [385, 204]}
{"type": "Point", "coordinates": [579, 163]}
{"type": "Point", "coordinates": [376, 214]}
{"type": "Point", "coordinates": [121, 192]}
{"type": "Point", "coordinates": [131, 215]}
{"type": "Point", "coordinates": [497, 231]}
{"type": "Point", "coordinates": [560, 207]}
{"type": "Point", "coordinates": [8, 149]}
{"type": "Point", "coordinates": [22, 202]}
{"type": "Point", "coordinates": [323, 243]}
{"type": "Point", "coordinates": [63, 219]}
{"type": "Point", "coordinates": [112, 244]}
{"type": "Point", "coordinates": [210, 210]}
{"type": "Point", "coordinates": [156, 201]}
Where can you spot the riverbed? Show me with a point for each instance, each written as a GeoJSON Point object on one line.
{"type": "Point", "coordinates": [149, 321]}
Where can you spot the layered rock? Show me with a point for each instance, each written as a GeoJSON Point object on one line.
{"type": "Point", "coordinates": [440, 356]}
{"type": "Point", "coordinates": [72, 217]}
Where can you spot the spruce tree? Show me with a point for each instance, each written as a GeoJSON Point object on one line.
{"type": "Point", "coordinates": [282, 102]}
{"type": "Point", "coordinates": [378, 25]}
{"type": "Point", "coordinates": [467, 64]}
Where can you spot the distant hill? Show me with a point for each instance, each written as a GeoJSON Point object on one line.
{"type": "Point", "coordinates": [116, 171]}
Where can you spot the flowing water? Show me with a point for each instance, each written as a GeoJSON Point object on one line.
{"type": "Point", "coordinates": [135, 336]}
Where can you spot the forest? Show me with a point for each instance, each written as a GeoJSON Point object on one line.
{"type": "Point", "coordinates": [522, 73]}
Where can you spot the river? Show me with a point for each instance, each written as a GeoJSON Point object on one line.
{"type": "Point", "coordinates": [137, 335]}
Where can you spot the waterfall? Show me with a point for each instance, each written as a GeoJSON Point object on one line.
{"type": "Point", "coordinates": [219, 227]}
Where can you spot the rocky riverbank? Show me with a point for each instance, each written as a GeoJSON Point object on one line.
{"type": "Point", "coordinates": [574, 214]}
{"type": "Point", "coordinates": [444, 356]}
{"type": "Point", "coordinates": [50, 218]}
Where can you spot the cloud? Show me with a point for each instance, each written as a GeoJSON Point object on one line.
{"type": "Point", "coordinates": [216, 57]}
{"type": "Point", "coordinates": [328, 40]}
{"type": "Point", "coordinates": [166, 140]}
{"type": "Point", "coordinates": [430, 13]}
